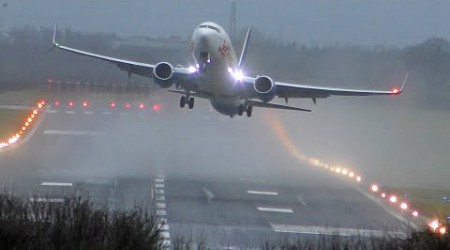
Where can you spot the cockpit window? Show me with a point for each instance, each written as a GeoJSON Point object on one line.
{"type": "Point", "coordinates": [209, 27]}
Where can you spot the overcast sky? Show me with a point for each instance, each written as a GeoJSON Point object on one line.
{"type": "Point", "coordinates": [385, 22]}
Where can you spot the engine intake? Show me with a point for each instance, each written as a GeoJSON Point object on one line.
{"type": "Point", "coordinates": [263, 84]}
{"type": "Point", "coordinates": [163, 71]}
{"type": "Point", "coordinates": [163, 74]}
{"type": "Point", "coordinates": [265, 88]}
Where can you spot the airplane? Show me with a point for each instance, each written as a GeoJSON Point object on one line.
{"type": "Point", "coordinates": [218, 76]}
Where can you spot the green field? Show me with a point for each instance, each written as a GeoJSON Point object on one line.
{"type": "Point", "coordinates": [11, 121]}
{"type": "Point", "coordinates": [429, 201]}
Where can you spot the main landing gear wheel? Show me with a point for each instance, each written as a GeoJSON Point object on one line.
{"type": "Point", "coordinates": [191, 103]}
{"type": "Point", "coordinates": [249, 111]}
{"type": "Point", "coordinates": [182, 101]}
{"type": "Point", "coordinates": [241, 110]}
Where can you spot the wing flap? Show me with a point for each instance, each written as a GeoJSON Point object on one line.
{"type": "Point", "coordinates": [275, 106]}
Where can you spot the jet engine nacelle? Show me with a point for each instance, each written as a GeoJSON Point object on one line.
{"type": "Point", "coordinates": [265, 87]}
{"type": "Point", "coordinates": [163, 74]}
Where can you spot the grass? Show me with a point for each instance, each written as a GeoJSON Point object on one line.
{"type": "Point", "coordinates": [427, 200]}
{"type": "Point", "coordinates": [76, 223]}
{"type": "Point", "coordinates": [11, 121]}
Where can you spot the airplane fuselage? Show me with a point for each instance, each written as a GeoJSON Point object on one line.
{"type": "Point", "coordinates": [216, 60]}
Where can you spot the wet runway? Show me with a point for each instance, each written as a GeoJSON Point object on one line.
{"type": "Point", "coordinates": [207, 177]}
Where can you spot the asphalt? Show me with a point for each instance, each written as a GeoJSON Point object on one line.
{"type": "Point", "coordinates": [226, 181]}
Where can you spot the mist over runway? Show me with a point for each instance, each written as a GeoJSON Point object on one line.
{"type": "Point", "coordinates": [203, 174]}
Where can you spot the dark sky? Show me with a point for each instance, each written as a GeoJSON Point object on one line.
{"type": "Point", "coordinates": [386, 22]}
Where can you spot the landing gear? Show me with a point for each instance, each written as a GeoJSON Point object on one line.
{"type": "Point", "coordinates": [182, 101]}
{"type": "Point", "coordinates": [186, 100]}
{"type": "Point", "coordinates": [249, 111]}
{"type": "Point", "coordinates": [191, 103]}
{"type": "Point", "coordinates": [241, 109]}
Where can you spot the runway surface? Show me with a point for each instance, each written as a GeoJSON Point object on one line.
{"type": "Point", "coordinates": [226, 181]}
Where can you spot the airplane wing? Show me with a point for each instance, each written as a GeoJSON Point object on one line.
{"type": "Point", "coordinates": [132, 67]}
{"type": "Point", "coordinates": [291, 90]}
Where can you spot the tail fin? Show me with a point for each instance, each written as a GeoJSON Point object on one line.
{"type": "Point", "coordinates": [244, 48]}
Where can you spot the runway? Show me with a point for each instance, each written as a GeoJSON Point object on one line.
{"type": "Point", "coordinates": [209, 178]}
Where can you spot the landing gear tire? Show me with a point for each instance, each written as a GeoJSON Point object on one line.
{"type": "Point", "coordinates": [191, 103]}
{"type": "Point", "coordinates": [241, 110]}
{"type": "Point", "coordinates": [249, 111]}
{"type": "Point", "coordinates": [182, 101]}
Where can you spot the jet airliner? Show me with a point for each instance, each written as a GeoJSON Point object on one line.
{"type": "Point", "coordinates": [218, 76]}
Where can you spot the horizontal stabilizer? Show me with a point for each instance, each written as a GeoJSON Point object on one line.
{"type": "Point", "coordinates": [275, 106]}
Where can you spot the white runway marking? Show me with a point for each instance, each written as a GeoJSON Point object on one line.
{"type": "Point", "coordinates": [159, 180]}
{"type": "Point", "coordinates": [159, 191]}
{"type": "Point", "coordinates": [52, 111]}
{"type": "Point", "coordinates": [163, 227]}
{"type": "Point", "coordinates": [209, 194]}
{"type": "Point", "coordinates": [88, 112]}
{"type": "Point", "coordinates": [315, 230]}
{"type": "Point", "coordinates": [70, 112]}
{"type": "Point", "coordinates": [57, 184]}
{"type": "Point", "coordinates": [262, 192]}
{"type": "Point", "coordinates": [159, 185]}
{"type": "Point", "coordinates": [48, 200]}
{"type": "Point", "coordinates": [161, 212]}
{"type": "Point", "coordinates": [165, 235]}
{"type": "Point", "coordinates": [161, 205]}
{"type": "Point", "coordinates": [106, 113]}
{"type": "Point", "coordinates": [71, 132]}
{"type": "Point", "coordinates": [275, 210]}
{"type": "Point", "coordinates": [160, 198]}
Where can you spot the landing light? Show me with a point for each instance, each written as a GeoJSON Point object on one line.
{"type": "Point", "coordinates": [192, 69]}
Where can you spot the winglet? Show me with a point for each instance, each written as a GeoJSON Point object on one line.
{"type": "Point", "coordinates": [397, 91]}
{"type": "Point", "coordinates": [244, 48]}
{"type": "Point", "coordinates": [54, 37]}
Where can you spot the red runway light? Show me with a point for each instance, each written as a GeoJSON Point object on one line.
{"type": "Point", "coordinates": [127, 105]}
{"type": "Point", "coordinates": [85, 104]}
{"type": "Point", "coordinates": [141, 106]}
{"type": "Point", "coordinates": [112, 105]}
{"type": "Point", "coordinates": [156, 107]}
{"type": "Point", "coordinates": [50, 80]}
{"type": "Point", "coordinates": [71, 104]}
{"type": "Point", "coordinates": [56, 104]}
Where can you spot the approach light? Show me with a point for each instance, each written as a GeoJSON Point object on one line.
{"type": "Point", "coordinates": [442, 230]}
{"type": "Point", "coordinates": [434, 224]}
{"type": "Point", "coordinates": [404, 206]}
{"type": "Point", "coordinates": [156, 107]}
{"type": "Point", "coordinates": [374, 188]}
{"type": "Point", "coordinates": [415, 213]}
{"type": "Point", "coordinates": [358, 179]}
{"type": "Point", "coordinates": [393, 199]}
{"type": "Point", "coordinates": [383, 195]}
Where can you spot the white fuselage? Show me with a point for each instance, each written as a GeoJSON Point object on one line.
{"type": "Point", "coordinates": [215, 55]}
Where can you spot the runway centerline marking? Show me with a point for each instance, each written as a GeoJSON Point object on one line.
{"type": "Point", "coordinates": [57, 184]}
{"type": "Point", "coordinates": [159, 180]}
{"type": "Point", "coordinates": [262, 192]}
{"type": "Point", "coordinates": [47, 200]}
{"type": "Point", "coordinates": [347, 232]}
{"type": "Point", "coordinates": [71, 132]}
{"type": "Point", "coordinates": [161, 205]}
{"type": "Point", "coordinates": [275, 210]}
{"type": "Point", "coordinates": [159, 185]}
